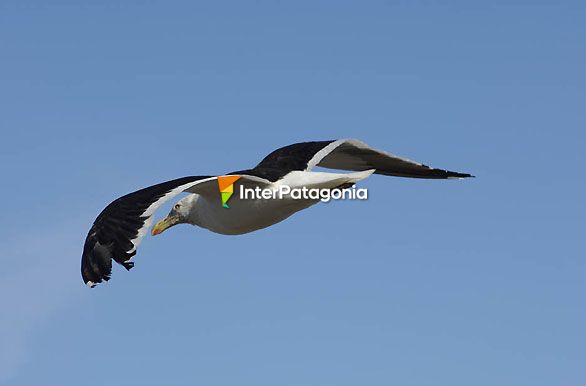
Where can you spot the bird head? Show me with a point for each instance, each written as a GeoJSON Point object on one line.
{"type": "Point", "coordinates": [178, 215]}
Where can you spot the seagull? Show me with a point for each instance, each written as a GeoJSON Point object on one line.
{"type": "Point", "coordinates": [120, 227]}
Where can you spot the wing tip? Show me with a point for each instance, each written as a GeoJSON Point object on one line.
{"type": "Point", "coordinates": [459, 176]}
{"type": "Point", "coordinates": [128, 265]}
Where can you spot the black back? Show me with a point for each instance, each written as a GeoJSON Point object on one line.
{"type": "Point", "coordinates": [285, 159]}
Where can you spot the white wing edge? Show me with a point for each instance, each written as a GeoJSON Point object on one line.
{"type": "Point", "coordinates": [150, 211]}
{"type": "Point", "coordinates": [192, 187]}
{"type": "Point", "coordinates": [320, 155]}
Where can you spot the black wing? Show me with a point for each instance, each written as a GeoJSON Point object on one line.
{"type": "Point", "coordinates": [344, 154]}
{"type": "Point", "coordinates": [286, 159]}
{"type": "Point", "coordinates": [119, 228]}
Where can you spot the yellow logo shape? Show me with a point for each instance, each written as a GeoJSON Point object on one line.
{"type": "Point", "coordinates": [226, 185]}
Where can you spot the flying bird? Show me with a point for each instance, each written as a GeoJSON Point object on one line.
{"type": "Point", "coordinates": [119, 228]}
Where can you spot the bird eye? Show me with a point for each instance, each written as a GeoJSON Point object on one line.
{"type": "Point", "coordinates": [177, 206]}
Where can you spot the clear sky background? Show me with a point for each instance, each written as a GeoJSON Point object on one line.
{"type": "Point", "coordinates": [474, 282]}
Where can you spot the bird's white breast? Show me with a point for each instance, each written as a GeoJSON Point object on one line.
{"type": "Point", "coordinates": [249, 214]}
{"type": "Point", "coordinates": [244, 216]}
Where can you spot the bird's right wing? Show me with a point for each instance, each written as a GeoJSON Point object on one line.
{"type": "Point", "coordinates": [351, 154]}
{"type": "Point", "coordinates": [210, 190]}
{"type": "Point", "coordinates": [343, 154]}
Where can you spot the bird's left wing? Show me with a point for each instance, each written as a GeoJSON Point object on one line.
{"type": "Point", "coordinates": [119, 228]}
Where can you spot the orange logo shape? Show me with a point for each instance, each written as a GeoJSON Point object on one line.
{"type": "Point", "coordinates": [226, 185]}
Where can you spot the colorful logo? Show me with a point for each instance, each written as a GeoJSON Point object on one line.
{"type": "Point", "coordinates": [226, 185]}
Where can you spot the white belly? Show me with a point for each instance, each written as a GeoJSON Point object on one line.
{"type": "Point", "coordinates": [246, 216]}
{"type": "Point", "coordinates": [250, 214]}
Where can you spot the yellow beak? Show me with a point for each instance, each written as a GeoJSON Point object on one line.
{"type": "Point", "coordinates": [163, 225]}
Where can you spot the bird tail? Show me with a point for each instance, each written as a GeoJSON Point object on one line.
{"type": "Point", "coordinates": [358, 176]}
{"type": "Point", "coordinates": [320, 180]}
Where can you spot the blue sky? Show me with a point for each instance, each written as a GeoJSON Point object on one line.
{"type": "Point", "coordinates": [427, 283]}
